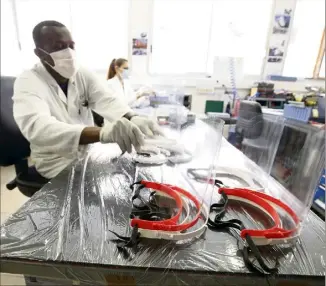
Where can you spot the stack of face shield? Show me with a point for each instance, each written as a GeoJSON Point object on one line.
{"type": "Point", "coordinates": [284, 223]}
{"type": "Point", "coordinates": [160, 150]}
{"type": "Point", "coordinates": [150, 218]}
{"type": "Point", "coordinates": [273, 208]}
{"type": "Point", "coordinates": [184, 216]}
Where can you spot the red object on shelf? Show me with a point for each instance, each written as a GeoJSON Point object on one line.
{"type": "Point", "coordinates": [236, 108]}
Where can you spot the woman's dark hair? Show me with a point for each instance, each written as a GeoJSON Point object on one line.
{"type": "Point", "coordinates": [115, 62]}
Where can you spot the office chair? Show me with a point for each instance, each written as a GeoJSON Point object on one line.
{"type": "Point", "coordinates": [14, 147]}
{"type": "Point", "coordinates": [250, 121]}
{"type": "Point", "coordinates": [258, 136]}
{"type": "Point", "coordinates": [249, 128]}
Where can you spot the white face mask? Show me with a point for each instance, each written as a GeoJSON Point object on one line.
{"type": "Point", "coordinates": [65, 62]}
{"type": "Point", "coordinates": [125, 74]}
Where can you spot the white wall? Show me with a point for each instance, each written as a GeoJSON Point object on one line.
{"type": "Point", "coordinates": [141, 22]}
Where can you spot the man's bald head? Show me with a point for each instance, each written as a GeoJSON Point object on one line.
{"type": "Point", "coordinates": [39, 29]}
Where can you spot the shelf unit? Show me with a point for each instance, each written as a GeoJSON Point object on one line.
{"type": "Point", "coordinates": [275, 103]}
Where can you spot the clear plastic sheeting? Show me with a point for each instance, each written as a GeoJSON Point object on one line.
{"type": "Point", "coordinates": [298, 165]}
{"type": "Point", "coordinates": [63, 231]}
{"type": "Point", "coordinates": [258, 135]}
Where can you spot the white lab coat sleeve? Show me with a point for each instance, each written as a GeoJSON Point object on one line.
{"type": "Point", "coordinates": [103, 99]}
{"type": "Point", "coordinates": [33, 117]}
{"type": "Point", "coordinates": [131, 94]}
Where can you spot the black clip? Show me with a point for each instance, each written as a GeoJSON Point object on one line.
{"type": "Point", "coordinates": [218, 183]}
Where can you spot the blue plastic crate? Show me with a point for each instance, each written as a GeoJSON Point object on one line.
{"type": "Point", "coordinates": [297, 113]}
{"type": "Point", "coordinates": [319, 197]}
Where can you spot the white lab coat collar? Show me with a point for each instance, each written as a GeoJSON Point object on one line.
{"type": "Point", "coordinates": [39, 67]}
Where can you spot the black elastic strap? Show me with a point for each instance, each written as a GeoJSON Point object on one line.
{"type": "Point", "coordinates": [150, 205]}
{"type": "Point", "coordinates": [221, 204]}
{"type": "Point", "coordinates": [136, 183]}
{"type": "Point", "coordinates": [220, 207]}
{"type": "Point", "coordinates": [137, 192]}
{"type": "Point", "coordinates": [254, 249]}
{"type": "Point", "coordinates": [124, 241]}
{"type": "Point", "coordinates": [153, 216]}
{"type": "Point", "coordinates": [148, 210]}
{"type": "Point", "coordinates": [217, 224]}
{"type": "Point", "coordinates": [251, 248]}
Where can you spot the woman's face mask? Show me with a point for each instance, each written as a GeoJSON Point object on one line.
{"type": "Point", "coordinates": [125, 73]}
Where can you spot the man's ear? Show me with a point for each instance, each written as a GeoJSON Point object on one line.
{"type": "Point", "coordinates": [43, 56]}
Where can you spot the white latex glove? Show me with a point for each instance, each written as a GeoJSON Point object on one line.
{"type": "Point", "coordinates": [123, 132]}
{"type": "Point", "coordinates": [147, 126]}
{"type": "Point", "coordinates": [143, 91]}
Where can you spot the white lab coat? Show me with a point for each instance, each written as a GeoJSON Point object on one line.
{"type": "Point", "coordinates": [126, 93]}
{"type": "Point", "coordinates": [52, 122]}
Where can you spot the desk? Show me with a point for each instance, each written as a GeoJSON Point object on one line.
{"type": "Point", "coordinates": [62, 232]}
{"type": "Point", "coordinates": [271, 111]}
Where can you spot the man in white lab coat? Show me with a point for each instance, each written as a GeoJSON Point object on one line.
{"type": "Point", "coordinates": [53, 103]}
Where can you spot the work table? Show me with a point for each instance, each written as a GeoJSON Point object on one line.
{"type": "Point", "coordinates": [63, 232]}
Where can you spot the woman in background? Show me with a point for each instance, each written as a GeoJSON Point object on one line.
{"type": "Point", "coordinates": [117, 78]}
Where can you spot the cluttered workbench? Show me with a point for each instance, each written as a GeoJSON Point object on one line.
{"type": "Point", "coordinates": [63, 232]}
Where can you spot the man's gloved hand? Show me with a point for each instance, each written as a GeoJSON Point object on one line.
{"type": "Point", "coordinates": [147, 126]}
{"type": "Point", "coordinates": [123, 132]}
